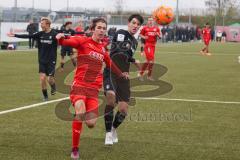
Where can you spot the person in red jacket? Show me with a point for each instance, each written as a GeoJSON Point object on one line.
{"type": "Point", "coordinates": [149, 33]}
{"type": "Point", "coordinates": [88, 77]}
{"type": "Point", "coordinates": [79, 29]}
{"type": "Point", "coordinates": [206, 36]}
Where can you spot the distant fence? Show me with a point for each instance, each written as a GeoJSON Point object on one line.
{"type": "Point", "coordinates": [121, 19]}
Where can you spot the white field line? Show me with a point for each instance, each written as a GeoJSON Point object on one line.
{"type": "Point", "coordinates": [32, 106]}
{"type": "Point", "coordinates": [195, 53]}
{"type": "Point", "coordinates": [190, 100]}
{"type": "Point", "coordinates": [152, 98]}
{"type": "Point", "coordinates": [19, 50]}
{"type": "Point", "coordinates": [160, 52]}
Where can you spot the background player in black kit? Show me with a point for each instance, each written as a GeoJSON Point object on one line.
{"type": "Point", "coordinates": [65, 50]}
{"type": "Point", "coordinates": [47, 54]}
{"type": "Point", "coordinates": [123, 47]}
{"type": "Point", "coordinates": [31, 29]}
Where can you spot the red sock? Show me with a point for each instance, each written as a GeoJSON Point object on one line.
{"type": "Point", "coordinates": [76, 131]}
{"type": "Point", "coordinates": [150, 68]}
{"type": "Point", "coordinates": [145, 65]}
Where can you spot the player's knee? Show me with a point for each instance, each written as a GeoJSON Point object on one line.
{"type": "Point", "coordinates": [123, 110]}
{"type": "Point", "coordinates": [91, 123]}
{"type": "Point", "coordinates": [90, 126]}
{"type": "Point", "coordinates": [111, 98]}
{"type": "Point", "coordinates": [43, 77]}
{"type": "Point", "coordinates": [123, 107]}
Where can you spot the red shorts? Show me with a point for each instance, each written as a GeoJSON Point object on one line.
{"type": "Point", "coordinates": [149, 52]}
{"type": "Point", "coordinates": [88, 95]}
{"type": "Point", "coordinates": [207, 41]}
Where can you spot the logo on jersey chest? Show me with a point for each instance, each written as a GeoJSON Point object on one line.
{"type": "Point", "coordinates": [120, 37]}
{"type": "Point", "coordinates": [96, 56]}
{"type": "Point", "coordinates": [151, 33]}
{"type": "Point", "coordinates": [92, 47]}
{"type": "Point", "coordinates": [46, 41]}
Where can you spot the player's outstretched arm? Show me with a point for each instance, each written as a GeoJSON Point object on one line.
{"type": "Point", "coordinates": [71, 41]}
{"type": "Point", "coordinates": [36, 35]}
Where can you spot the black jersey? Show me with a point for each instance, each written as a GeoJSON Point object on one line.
{"type": "Point", "coordinates": [123, 47]}
{"type": "Point", "coordinates": [47, 45]}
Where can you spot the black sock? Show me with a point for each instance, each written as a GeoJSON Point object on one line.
{"type": "Point", "coordinates": [108, 117]}
{"type": "Point", "coordinates": [45, 94]}
{"type": "Point", "coordinates": [119, 117]}
{"type": "Point", "coordinates": [142, 49]}
{"type": "Point", "coordinates": [62, 65]}
{"type": "Point", "coordinates": [53, 86]}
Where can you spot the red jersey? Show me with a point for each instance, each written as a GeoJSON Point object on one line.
{"type": "Point", "coordinates": [91, 56]}
{"type": "Point", "coordinates": [79, 29]}
{"type": "Point", "coordinates": [206, 32]}
{"type": "Point", "coordinates": [152, 34]}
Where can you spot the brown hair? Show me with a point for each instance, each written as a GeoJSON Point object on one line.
{"type": "Point", "coordinates": [95, 21]}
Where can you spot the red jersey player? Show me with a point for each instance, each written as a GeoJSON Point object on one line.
{"type": "Point", "coordinates": [88, 77]}
{"type": "Point", "coordinates": [206, 35]}
{"type": "Point", "coordinates": [149, 33]}
{"type": "Point", "coordinates": [79, 29]}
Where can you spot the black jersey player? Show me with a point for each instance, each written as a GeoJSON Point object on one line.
{"type": "Point", "coordinates": [47, 54]}
{"type": "Point", "coordinates": [122, 50]}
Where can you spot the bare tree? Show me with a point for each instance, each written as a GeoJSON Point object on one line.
{"type": "Point", "coordinates": [119, 6]}
{"type": "Point", "coordinates": [218, 5]}
{"type": "Point", "coordinates": [223, 8]}
{"type": "Point", "coordinates": [233, 9]}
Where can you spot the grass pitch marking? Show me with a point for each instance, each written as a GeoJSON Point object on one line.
{"type": "Point", "coordinates": [152, 98]}
{"type": "Point", "coordinates": [32, 106]}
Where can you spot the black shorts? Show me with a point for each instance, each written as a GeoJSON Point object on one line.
{"type": "Point", "coordinates": [47, 68]}
{"type": "Point", "coordinates": [66, 51]}
{"type": "Point", "coordinates": [120, 86]}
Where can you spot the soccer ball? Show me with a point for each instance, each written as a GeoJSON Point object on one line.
{"type": "Point", "coordinates": [163, 15]}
